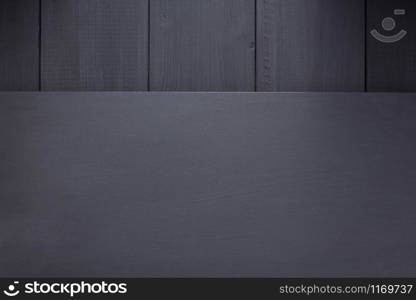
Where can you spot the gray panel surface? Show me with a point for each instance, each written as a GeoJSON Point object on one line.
{"type": "Point", "coordinates": [200, 45]}
{"type": "Point", "coordinates": [310, 45]}
{"type": "Point", "coordinates": [391, 66]}
{"type": "Point", "coordinates": [193, 184]}
{"type": "Point", "coordinates": [19, 47]}
{"type": "Point", "coordinates": [98, 45]}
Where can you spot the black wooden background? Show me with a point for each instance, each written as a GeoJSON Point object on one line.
{"type": "Point", "coordinates": [202, 45]}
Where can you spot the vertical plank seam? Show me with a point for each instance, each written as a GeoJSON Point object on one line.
{"type": "Point", "coordinates": [40, 46]}
{"type": "Point", "coordinates": [148, 45]}
{"type": "Point", "coordinates": [365, 47]}
{"type": "Point", "coordinates": [255, 45]}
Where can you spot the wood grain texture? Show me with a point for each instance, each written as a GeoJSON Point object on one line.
{"type": "Point", "coordinates": [202, 45]}
{"type": "Point", "coordinates": [207, 184]}
{"type": "Point", "coordinates": [391, 67]}
{"type": "Point", "coordinates": [19, 47]}
{"type": "Point", "coordinates": [310, 45]}
{"type": "Point", "coordinates": [94, 45]}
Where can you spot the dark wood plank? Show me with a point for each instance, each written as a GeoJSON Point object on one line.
{"type": "Point", "coordinates": [19, 46]}
{"type": "Point", "coordinates": [94, 45]}
{"type": "Point", "coordinates": [194, 184]}
{"type": "Point", "coordinates": [202, 45]}
{"type": "Point", "coordinates": [310, 45]}
{"type": "Point", "coordinates": [391, 66]}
